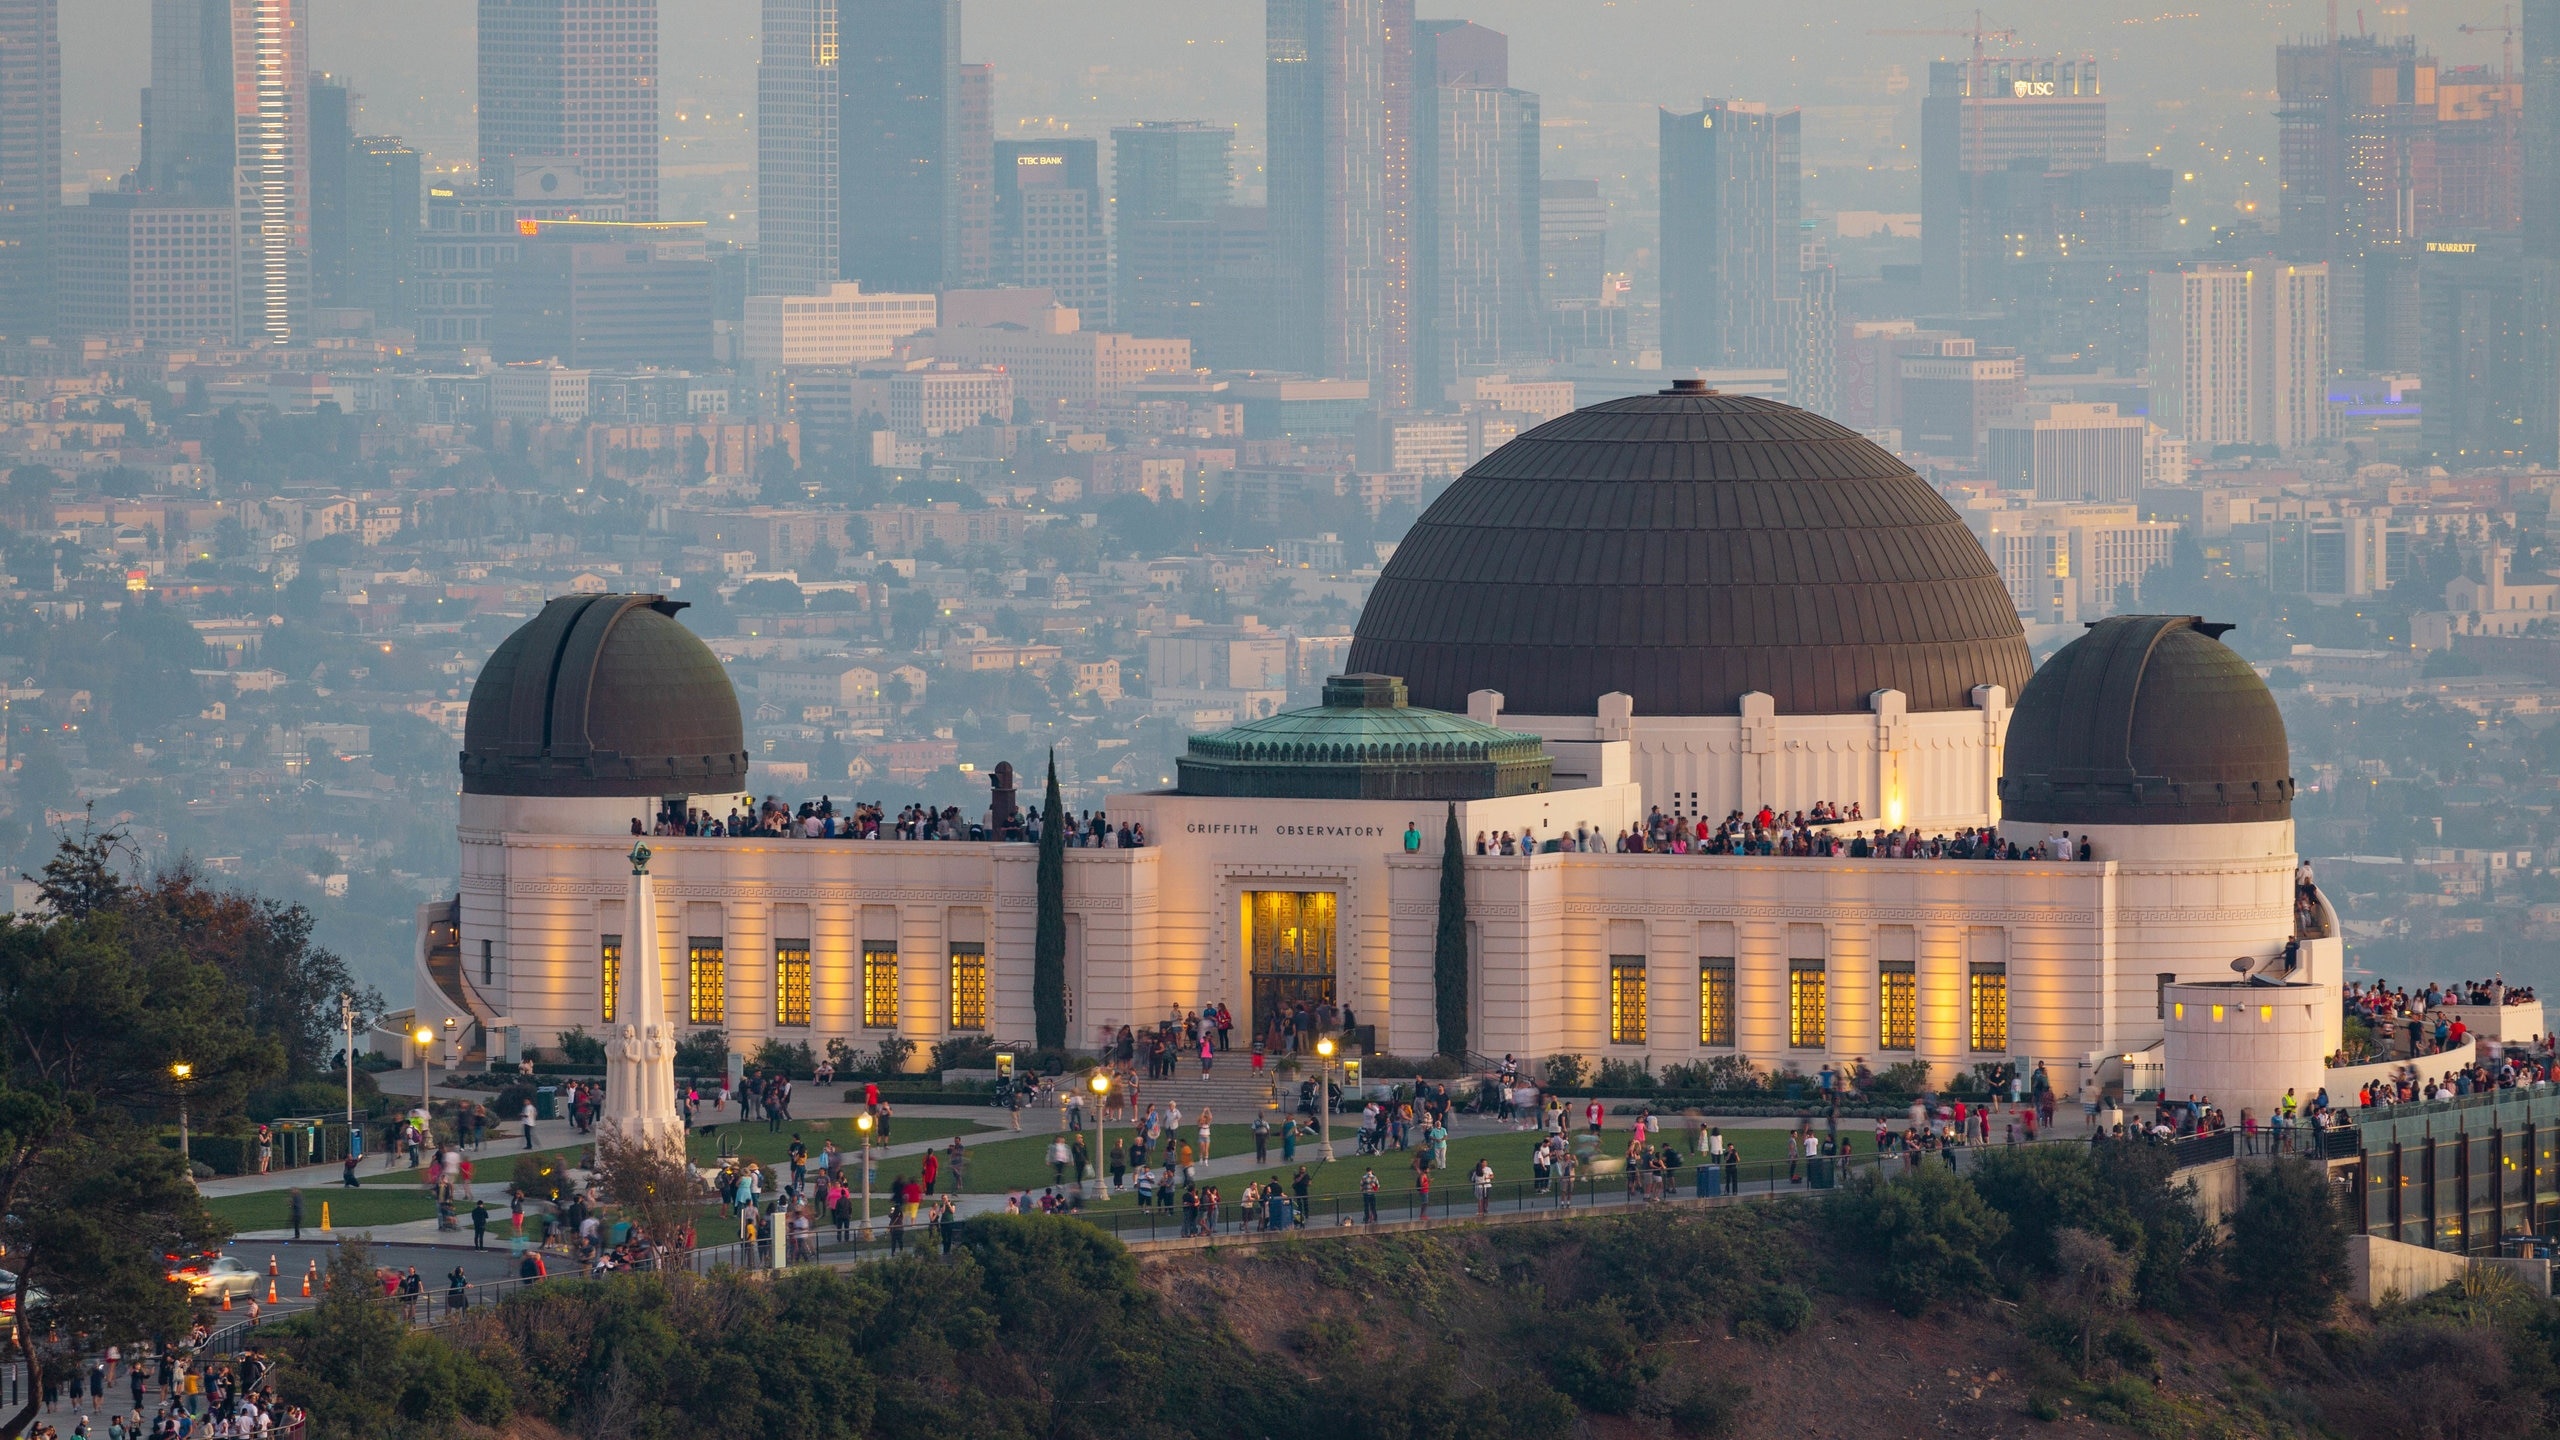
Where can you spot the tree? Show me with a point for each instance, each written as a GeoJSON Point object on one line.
{"type": "Point", "coordinates": [93, 1020]}
{"type": "Point", "coordinates": [1049, 936]}
{"type": "Point", "coordinates": [355, 1365]}
{"type": "Point", "coordinates": [2288, 1247]}
{"type": "Point", "coordinates": [652, 1185]}
{"type": "Point", "coordinates": [1924, 1235]}
{"type": "Point", "coordinates": [2095, 1277]}
{"type": "Point", "coordinates": [1449, 947]}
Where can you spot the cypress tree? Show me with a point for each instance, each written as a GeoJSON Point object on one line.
{"type": "Point", "coordinates": [1049, 939]}
{"type": "Point", "coordinates": [1449, 947]}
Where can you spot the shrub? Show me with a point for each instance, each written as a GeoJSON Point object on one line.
{"type": "Point", "coordinates": [704, 1052]}
{"type": "Point", "coordinates": [1717, 1072]}
{"type": "Point", "coordinates": [1625, 1075]}
{"type": "Point", "coordinates": [1566, 1072]}
{"type": "Point", "coordinates": [1908, 1077]}
{"type": "Point", "coordinates": [540, 1177]}
{"type": "Point", "coordinates": [580, 1048]}
{"type": "Point", "coordinates": [1924, 1235]}
{"type": "Point", "coordinates": [792, 1058]}
{"type": "Point", "coordinates": [966, 1052]}
{"type": "Point", "coordinates": [1772, 1313]}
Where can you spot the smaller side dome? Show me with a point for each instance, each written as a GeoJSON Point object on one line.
{"type": "Point", "coordinates": [603, 696]}
{"type": "Point", "coordinates": [2147, 720]}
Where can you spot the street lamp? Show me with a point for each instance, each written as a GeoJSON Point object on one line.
{"type": "Point", "coordinates": [426, 1038]}
{"type": "Point", "coordinates": [1324, 1099]}
{"type": "Point", "coordinates": [182, 1072]}
{"type": "Point", "coordinates": [863, 1123]}
{"type": "Point", "coordinates": [1101, 1098]}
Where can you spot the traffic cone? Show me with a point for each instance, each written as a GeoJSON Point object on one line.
{"type": "Point", "coordinates": [271, 1262]}
{"type": "Point", "coordinates": [271, 1289]}
{"type": "Point", "coordinates": [306, 1283]}
{"type": "Point", "coordinates": [226, 1299]}
{"type": "Point", "coordinates": [324, 1214]}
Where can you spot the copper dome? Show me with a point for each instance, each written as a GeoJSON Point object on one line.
{"type": "Point", "coordinates": [604, 695]}
{"type": "Point", "coordinates": [2147, 720]}
{"type": "Point", "coordinates": [1688, 548]}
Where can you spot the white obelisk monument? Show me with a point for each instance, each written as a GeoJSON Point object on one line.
{"type": "Point", "coordinates": [640, 1062]}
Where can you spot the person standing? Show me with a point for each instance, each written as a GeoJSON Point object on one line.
{"type": "Point", "coordinates": [528, 1124]}
{"type": "Point", "coordinates": [1483, 1176]}
{"type": "Point", "coordinates": [1369, 1196]}
{"type": "Point", "coordinates": [296, 1207]}
{"type": "Point", "coordinates": [1261, 1138]}
{"type": "Point", "coordinates": [479, 1224]}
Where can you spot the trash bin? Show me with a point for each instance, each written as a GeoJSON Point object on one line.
{"type": "Point", "coordinates": [1710, 1180]}
{"type": "Point", "coordinates": [1820, 1171]}
{"type": "Point", "coordinates": [546, 1104]}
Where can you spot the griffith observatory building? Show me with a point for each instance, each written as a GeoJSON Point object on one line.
{"type": "Point", "coordinates": [1686, 602]}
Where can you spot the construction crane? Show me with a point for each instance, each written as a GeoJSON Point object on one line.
{"type": "Point", "coordinates": [1977, 34]}
{"type": "Point", "coordinates": [2507, 46]}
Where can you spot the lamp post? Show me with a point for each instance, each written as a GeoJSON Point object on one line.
{"type": "Point", "coordinates": [426, 1038]}
{"type": "Point", "coordinates": [347, 1018]}
{"type": "Point", "coordinates": [1324, 1099]}
{"type": "Point", "coordinates": [1101, 1125]}
{"type": "Point", "coordinates": [181, 1073]}
{"type": "Point", "coordinates": [863, 1123]}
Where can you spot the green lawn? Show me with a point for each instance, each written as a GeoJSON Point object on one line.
{"type": "Point", "coordinates": [348, 1209]}
{"type": "Point", "coordinates": [756, 1143]}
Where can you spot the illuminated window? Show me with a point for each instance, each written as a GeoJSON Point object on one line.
{"type": "Point", "coordinates": [1626, 999]}
{"type": "Point", "coordinates": [706, 982]}
{"type": "Point", "coordinates": [1808, 1005]}
{"type": "Point", "coordinates": [968, 987]}
{"type": "Point", "coordinates": [791, 982]}
{"type": "Point", "coordinates": [611, 972]}
{"type": "Point", "coordinates": [1715, 1000]}
{"type": "Point", "coordinates": [1991, 1007]}
{"type": "Point", "coordinates": [1899, 1004]}
{"type": "Point", "coordinates": [880, 986]}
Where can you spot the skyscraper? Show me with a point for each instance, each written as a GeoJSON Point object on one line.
{"type": "Point", "coordinates": [378, 271]}
{"type": "Point", "coordinates": [1986, 117]}
{"type": "Point", "coordinates": [332, 136]}
{"type": "Point", "coordinates": [797, 110]}
{"type": "Point", "coordinates": [1326, 95]}
{"type": "Point", "coordinates": [1475, 208]}
{"type": "Point", "coordinates": [2540, 286]}
{"type": "Point", "coordinates": [187, 124]}
{"type": "Point", "coordinates": [899, 64]}
{"type": "Point", "coordinates": [30, 162]}
{"type": "Point", "coordinates": [973, 167]}
{"type": "Point", "coordinates": [1051, 230]}
{"type": "Point", "coordinates": [271, 149]}
{"type": "Point", "coordinates": [1731, 196]}
{"type": "Point", "coordinates": [2240, 353]}
{"type": "Point", "coordinates": [1573, 240]}
{"type": "Point", "coordinates": [575, 79]}
{"type": "Point", "coordinates": [2289, 354]}
{"type": "Point", "coordinates": [1169, 178]}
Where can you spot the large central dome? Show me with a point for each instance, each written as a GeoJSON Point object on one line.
{"type": "Point", "coordinates": [1688, 548]}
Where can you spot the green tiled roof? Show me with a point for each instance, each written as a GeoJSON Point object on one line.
{"type": "Point", "coordinates": [1366, 743]}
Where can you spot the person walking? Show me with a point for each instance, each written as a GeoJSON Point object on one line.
{"type": "Point", "coordinates": [296, 1207]}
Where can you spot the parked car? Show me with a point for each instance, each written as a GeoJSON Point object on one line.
{"type": "Point", "coordinates": [9, 1301]}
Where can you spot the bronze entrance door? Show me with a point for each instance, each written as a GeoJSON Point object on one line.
{"type": "Point", "coordinates": [1289, 952]}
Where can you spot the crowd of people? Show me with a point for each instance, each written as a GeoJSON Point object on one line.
{"type": "Point", "coordinates": [822, 819]}
{"type": "Point", "coordinates": [1815, 832]}
{"type": "Point", "coordinates": [215, 1400]}
{"type": "Point", "coordinates": [2423, 1021]}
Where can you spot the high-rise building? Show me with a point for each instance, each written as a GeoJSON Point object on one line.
{"type": "Point", "coordinates": [1476, 274]}
{"type": "Point", "coordinates": [1731, 197]}
{"type": "Point", "coordinates": [2070, 452]}
{"type": "Point", "coordinates": [138, 264]}
{"type": "Point", "coordinates": [797, 110]}
{"type": "Point", "coordinates": [378, 269]}
{"type": "Point", "coordinates": [30, 162]}
{"type": "Point", "coordinates": [2539, 288]}
{"type": "Point", "coordinates": [575, 80]}
{"type": "Point", "coordinates": [1573, 240]}
{"type": "Point", "coordinates": [597, 294]}
{"type": "Point", "coordinates": [187, 122]}
{"type": "Point", "coordinates": [1051, 229]}
{"type": "Point", "coordinates": [271, 149]}
{"type": "Point", "coordinates": [2378, 146]}
{"type": "Point", "coordinates": [473, 232]}
{"type": "Point", "coordinates": [1328, 122]}
{"type": "Point", "coordinates": [973, 168]}
{"type": "Point", "coordinates": [899, 65]}
{"type": "Point", "coordinates": [1169, 179]}
{"type": "Point", "coordinates": [1986, 117]}
{"type": "Point", "coordinates": [2477, 337]}
{"type": "Point", "coordinates": [2240, 353]}
{"type": "Point", "coordinates": [332, 136]}
{"type": "Point", "coordinates": [1813, 380]}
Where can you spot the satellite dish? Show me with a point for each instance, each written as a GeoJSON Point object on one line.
{"type": "Point", "coordinates": [2241, 965]}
